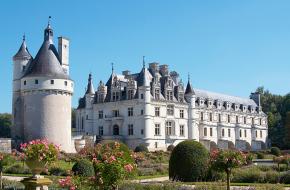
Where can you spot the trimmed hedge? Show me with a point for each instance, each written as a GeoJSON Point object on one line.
{"type": "Point", "coordinates": [83, 168]}
{"type": "Point", "coordinates": [141, 148]}
{"type": "Point", "coordinates": [188, 161]}
{"type": "Point", "coordinates": [275, 151]}
{"type": "Point", "coordinates": [260, 155]}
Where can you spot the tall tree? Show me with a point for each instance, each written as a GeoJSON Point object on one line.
{"type": "Point", "coordinates": [5, 124]}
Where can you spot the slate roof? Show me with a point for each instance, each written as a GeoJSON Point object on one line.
{"type": "Point", "coordinates": [222, 97]}
{"type": "Point", "coordinates": [46, 62]}
{"type": "Point", "coordinates": [22, 52]}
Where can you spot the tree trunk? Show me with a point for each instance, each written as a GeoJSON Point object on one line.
{"type": "Point", "coordinates": [1, 182]}
{"type": "Point", "coordinates": [228, 179]}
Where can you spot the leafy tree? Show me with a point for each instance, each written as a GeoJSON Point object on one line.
{"type": "Point", "coordinates": [73, 118]}
{"type": "Point", "coordinates": [226, 160]}
{"type": "Point", "coordinates": [287, 127]}
{"type": "Point", "coordinates": [5, 124]}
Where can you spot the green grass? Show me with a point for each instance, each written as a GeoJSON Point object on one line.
{"type": "Point", "coordinates": [232, 184]}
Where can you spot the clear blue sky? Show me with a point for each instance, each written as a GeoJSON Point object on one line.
{"type": "Point", "coordinates": [227, 46]}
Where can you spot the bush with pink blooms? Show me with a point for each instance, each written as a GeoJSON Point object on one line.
{"type": "Point", "coordinates": [226, 160]}
{"type": "Point", "coordinates": [112, 164]}
{"type": "Point", "coordinates": [40, 150]}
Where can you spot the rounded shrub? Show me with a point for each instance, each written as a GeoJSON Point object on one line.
{"type": "Point", "coordinates": [275, 151]}
{"type": "Point", "coordinates": [170, 148]}
{"type": "Point", "coordinates": [260, 155]}
{"type": "Point", "coordinates": [84, 168]}
{"type": "Point", "coordinates": [188, 161]}
{"type": "Point", "coordinates": [141, 148]}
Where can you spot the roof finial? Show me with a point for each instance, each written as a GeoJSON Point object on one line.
{"type": "Point", "coordinates": [23, 37]}
{"type": "Point", "coordinates": [112, 67]}
{"type": "Point", "coordinates": [188, 77]}
{"type": "Point", "coordinates": [143, 61]}
{"type": "Point", "coordinates": [49, 19]}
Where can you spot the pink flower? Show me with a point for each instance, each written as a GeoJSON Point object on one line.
{"type": "Point", "coordinates": [128, 167]}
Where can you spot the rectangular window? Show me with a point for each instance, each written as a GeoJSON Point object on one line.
{"type": "Point", "coordinates": [210, 116]}
{"type": "Point", "coordinates": [223, 132]}
{"type": "Point", "coordinates": [115, 96]}
{"type": "Point", "coordinates": [169, 95]}
{"type": "Point", "coordinates": [169, 128]}
{"type": "Point", "coordinates": [101, 114]}
{"type": "Point", "coordinates": [210, 132]}
{"type": "Point", "coordinates": [130, 130]}
{"type": "Point", "coordinates": [101, 130]}
{"type": "Point", "coordinates": [156, 144]}
{"type": "Point", "coordinates": [229, 118]}
{"type": "Point", "coordinates": [205, 132]}
{"type": "Point", "coordinates": [36, 81]}
{"type": "Point", "coordinates": [65, 83]}
{"type": "Point", "coordinates": [261, 134]}
{"type": "Point", "coordinates": [181, 114]}
{"type": "Point", "coordinates": [24, 82]}
{"type": "Point", "coordinates": [260, 121]}
{"type": "Point", "coordinates": [142, 131]}
{"type": "Point", "coordinates": [245, 131]}
{"type": "Point", "coordinates": [157, 94]}
{"type": "Point", "coordinates": [237, 119]}
{"type": "Point", "coordinates": [256, 133]}
{"type": "Point", "coordinates": [142, 112]}
{"type": "Point", "coordinates": [201, 116]}
{"type": "Point", "coordinates": [170, 110]}
{"type": "Point", "coordinates": [220, 118]}
{"type": "Point", "coordinates": [181, 131]}
{"type": "Point", "coordinates": [229, 132]}
{"type": "Point", "coordinates": [240, 133]}
{"type": "Point", "coordinates": [130, 94]}
{"type": "Point", "coordinates": [157, 111]}
{"type": "Point", "coordinates": [51, 81]}
{"type": "Point", "coordinates": [253, 121]}
{"type": "Point", "coordinates": [130, 112]}
{"type": "Point", "coordinates": [115, 113]}
{"type": "Point", "coordinates": [142, 96]}
{"type": "Point", "coordinates": [245, 120]}
{"type": "Point", "coordinates": [157, 129]}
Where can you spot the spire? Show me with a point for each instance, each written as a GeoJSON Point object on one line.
{"type": "Point", "coordinates": [90, 87]}
{"type": "Point", "coordinates": [189, 89]}
{"type": "Point", "coordinates": [48, 32]}
{"type": "Point", "coordinates": [112, 68]}
{"type": "Point", "coordinates": [143, 62]}
{"type": "Point", "coordinates": [23, 52]}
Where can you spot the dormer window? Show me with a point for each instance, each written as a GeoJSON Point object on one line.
{"type": "Point", "coordinates": [169, 95]}
{"type": "Point", "coordinates": [51, 81]}
{"type": "Point", "coordinates": [115, 96]}
{"type": "Point", "coordinates": [157, 94]}
{"type": "Point", "coordinates": [130, 94]}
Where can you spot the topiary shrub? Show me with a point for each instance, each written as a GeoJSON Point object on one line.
{"type": "Point", "coordinates": [83, 168]}
{"type": "Point", "coordinates": [141, 148]}
{"type": "Point", "coordinates": [170, 148]}
{"type": "Point", "coordinates": [188, 161]}
{"type": "Point", "coordinates": [260, 155]}
{"type": "Point", "coordinates": [275, 151]}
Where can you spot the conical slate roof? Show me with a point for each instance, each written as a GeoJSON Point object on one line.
{"type": "Point", "coordinates": [90, 87]}
{"type": "Point", "coordinates": [189, 89]}
{"type": "Point", "coordinates": [46, 62]}
{"type": "Point", "coordinates": [22, 52]}
{"type": "Point", "coordinates": [144, 77]}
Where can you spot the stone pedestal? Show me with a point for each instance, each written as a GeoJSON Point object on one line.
{"type": "Point", "coordinates": [36, 183]}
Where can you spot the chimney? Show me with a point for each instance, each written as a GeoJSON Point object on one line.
{"type": "Point", "coordinates": [63, 51]}
{"type": "Point", "coordinates": [126, 73]}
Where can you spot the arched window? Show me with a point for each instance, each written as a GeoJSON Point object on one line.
{"type": "Point", "coordinates": [116, 130]}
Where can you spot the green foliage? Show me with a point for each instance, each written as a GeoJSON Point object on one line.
{"type": "Point", "coordinates": [141, 148]}
{"type": "Point", "coordinates": [188, 161]}
{"type": "Point", "coordinates": [57, 171]}
{"type": "Point", "coordinates": [84, 168]}
{"type": "Point", "coordinates": [170, 148]}
{"type": "Point", "coordinates": [260, 155]}
{"type": "Point", "coordinates": [17, 169]}
{"type": "Point", "coordinates": [5, 124]}
{"type": "Point", "coordinates": [275, 151]}
{"type": "Point", "coordinates": [276, 107]}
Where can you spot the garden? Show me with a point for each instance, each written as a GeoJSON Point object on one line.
{"type": "Point", "coordinates": [112, 165]}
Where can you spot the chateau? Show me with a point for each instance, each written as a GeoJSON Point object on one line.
{"type": "Point", "coordinates": [42, 91]}
{"type": "Point", "coordinates": [154, 108]}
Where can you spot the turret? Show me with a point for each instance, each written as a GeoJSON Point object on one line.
{"type": "Point", "coordinates": [21, 60]}
{"type": "Point", "coordinates": [193, 131]}
{"type": "Point", "coordinates": [144, 80]}
{"type": "Point", "coordinates": [90, 92]}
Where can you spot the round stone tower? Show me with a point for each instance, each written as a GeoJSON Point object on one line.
{"type": "Point", "coordinates": [47, 90]}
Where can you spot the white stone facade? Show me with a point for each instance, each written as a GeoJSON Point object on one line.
{"type": "Point", "coordinates": [153, 108]}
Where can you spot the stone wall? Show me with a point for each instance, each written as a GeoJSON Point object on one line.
{"type": "Point", "coordinates": [5, 145]}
